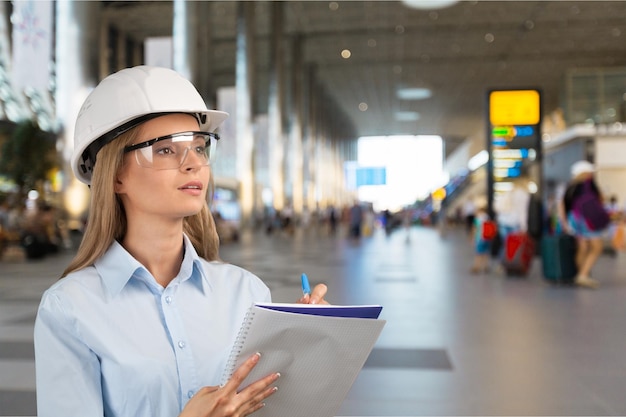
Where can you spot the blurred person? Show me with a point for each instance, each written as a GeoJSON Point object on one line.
{"type": "Point", "coordinates": [332, 219]}
{"type": "Point", "coordinates": [269, 219]}
{"type": "Point", "coordinates": [613, 208]}
{"type": "Point", "coordinates": [387, 221]}
{"type": "Point", "coordinates": [583, 216]}
{"type": "Point", "coordinates": [369, 219]}
{"type": "Point", "coordinates": [287, 220]}
{"type": "Point", "coordinates": [40, 236]}
{"type": "Point", "coordinates": [407, 219]}
{"type": "Point", "coordinates": [481, 245]}
{"type": "Point", "coordinates": [4, 214]}
{"type": "Point", "coordinates": [615, 214]}
{"type": "Point", "coordinates": [143, 319]}
{"type": "Point", "coordinates": [355, 220]}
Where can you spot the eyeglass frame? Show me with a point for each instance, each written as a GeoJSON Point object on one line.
{"type": "Point", "coordinates": [150, 142]}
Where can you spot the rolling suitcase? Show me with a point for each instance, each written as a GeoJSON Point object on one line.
{"type": "Point", "coordinates": [518, 253]}
{"type": "Point", "coordinates": [558, 258]}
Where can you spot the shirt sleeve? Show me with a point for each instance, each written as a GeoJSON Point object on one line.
{"type": "Point", "coordinates": [67, 370]}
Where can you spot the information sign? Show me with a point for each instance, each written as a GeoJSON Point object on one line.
{"type": "Point", "coordinates": [514, 107]}
{"type": "Point", "coordinates": [514, 141]}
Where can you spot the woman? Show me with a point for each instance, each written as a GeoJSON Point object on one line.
{"type": "Point", "coordinates": [580, 222]}
{"type": "Point", "coordinates": [143, 320]}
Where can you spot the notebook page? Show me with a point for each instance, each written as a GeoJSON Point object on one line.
{"type": "Point", "coordinates": [318, 357]}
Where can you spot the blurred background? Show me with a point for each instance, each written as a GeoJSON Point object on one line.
{"type": "Point", "coordinates": [385, 102]}
{"type": "Point", "coordinates": [362, 137]}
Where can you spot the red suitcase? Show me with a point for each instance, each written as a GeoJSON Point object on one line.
{"type": "Point", "coordinates": [519, 250]}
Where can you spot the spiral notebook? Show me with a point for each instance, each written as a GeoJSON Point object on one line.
{"type": "Point", "coordinates": [319, 351]}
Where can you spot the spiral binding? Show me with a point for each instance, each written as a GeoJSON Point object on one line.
{"type": "Point", "coordinates": [235, 352]}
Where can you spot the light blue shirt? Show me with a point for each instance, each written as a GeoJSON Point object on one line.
{"type": "Point", "coordinates": [110, 341]}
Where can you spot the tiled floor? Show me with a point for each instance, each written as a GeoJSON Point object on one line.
{"type": "Point", "coordinates": [455, 344]}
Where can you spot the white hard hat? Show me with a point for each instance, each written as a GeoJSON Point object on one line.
{"type": "Point", "coordinates": [127, 98]}
{"type": "Point", "coordinates": [581, 167]}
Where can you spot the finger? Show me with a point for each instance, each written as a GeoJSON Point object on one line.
{"type": "Point", "coordinates": [254, 408]}
{"type": "Point", "coordinates": [242, 372]}
{"type": "Point", "coordinates": [305, 299]}
{"type": "Point", "coordinates": [260, 391]}
{"type": "Point", "coordinates": [318, 293]}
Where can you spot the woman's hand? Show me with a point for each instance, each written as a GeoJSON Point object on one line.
{"type": "Point", "coordinates": [225, 401]}
{"type": "Point", "coordinates": [316, 296]}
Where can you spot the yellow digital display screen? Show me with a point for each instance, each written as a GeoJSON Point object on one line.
{"type": "Point", "coordinates": [514, 107]}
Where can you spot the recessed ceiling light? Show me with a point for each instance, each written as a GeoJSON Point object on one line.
{"type": "Point", "coordinates": [406, 116]}
{"type": "Point", "coordinates": [414, 93]}
{"type": "Point", "coordinates": [429, 4]}
{"type": "Point", "coordinates": [346, 54]}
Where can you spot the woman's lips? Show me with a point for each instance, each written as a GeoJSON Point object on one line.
{"type": "Point", "coordinates": [193, 188]}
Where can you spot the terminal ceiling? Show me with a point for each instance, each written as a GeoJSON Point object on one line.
{"type": "Point", "coordinates": [458, 52]}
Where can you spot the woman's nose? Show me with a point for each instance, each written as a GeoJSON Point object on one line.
{"type": "Point", "coordinates": [191, 160]}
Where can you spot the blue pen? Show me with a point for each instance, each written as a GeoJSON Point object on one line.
{"type": "Point", "coordinates": [306, 288]}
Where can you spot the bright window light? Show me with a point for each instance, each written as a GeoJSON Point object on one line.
{"type": "Point", "coordinates": [414, 168]}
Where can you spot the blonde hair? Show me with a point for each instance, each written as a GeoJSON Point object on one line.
{"type": "Point", "coordinates": [107, 219]}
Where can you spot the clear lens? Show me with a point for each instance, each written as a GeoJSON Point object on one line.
{"type": "Point", "coordinates": [173, 151]}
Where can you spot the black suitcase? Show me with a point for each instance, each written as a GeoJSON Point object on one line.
{"type": "Point", "coordinates": [558, 258]}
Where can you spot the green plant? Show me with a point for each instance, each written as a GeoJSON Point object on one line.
{"type": "Point", "coordinates": [27, 155]}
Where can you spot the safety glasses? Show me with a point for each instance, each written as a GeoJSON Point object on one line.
{"type": "Point", "coordinates": [171, 151]}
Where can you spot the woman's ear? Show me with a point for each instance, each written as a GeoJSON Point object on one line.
{"type": "Point", "coordinates": [118, 185]}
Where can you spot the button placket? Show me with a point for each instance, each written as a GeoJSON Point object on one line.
{"type": "Point", "coordinates": [182, 350]}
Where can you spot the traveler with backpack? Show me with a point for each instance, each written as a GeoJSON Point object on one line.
{"type": "Point", "coordinates": [585, 217]}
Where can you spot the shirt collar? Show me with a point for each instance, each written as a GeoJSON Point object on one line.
{"type": "Point", "coordinates": [117, 267]}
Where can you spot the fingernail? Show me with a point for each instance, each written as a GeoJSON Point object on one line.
{"type": "Point", "coordinates": [277, 375]}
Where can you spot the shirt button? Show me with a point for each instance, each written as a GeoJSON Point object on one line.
{"type": "Point", "coordinates": [189, 394]}
{"type": "Point", "coordinates": [168, 299]}
{"type": "Point", "coordinates": [181, 344]}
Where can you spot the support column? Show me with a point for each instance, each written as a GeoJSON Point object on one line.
{"type": "Point", "coordinates": [105, 51]}
{"type": "Point", "coordinates": [205, 57]}
{"type": "Point", "coordinates": [245, 92]}
{"type": "Point", "coordinates": [184, 39]}
{"type": "Point", "coordinates": [120, 58]}
{"type": "Point", "coordinates": [309, 141]}
{"type": "Point", "coordinates": [275, 108]}
{"type": "Point", "coordinates": [295, 134]}
{"type": "Point", "coordinates": [77, 60]}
